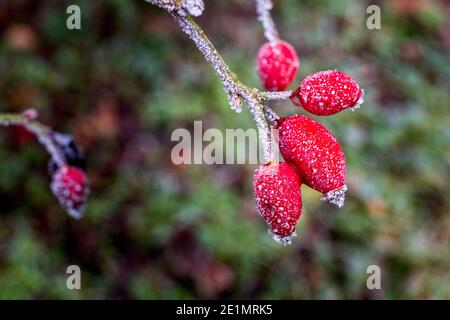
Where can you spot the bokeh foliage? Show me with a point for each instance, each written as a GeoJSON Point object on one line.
{"type": "Point", "coordinates": [154, 230]}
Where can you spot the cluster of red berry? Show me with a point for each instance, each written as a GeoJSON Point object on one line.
{"type": "Point", "coordinates": [313, 155]}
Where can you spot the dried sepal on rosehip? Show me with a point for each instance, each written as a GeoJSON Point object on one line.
{"type": "Point", "coordinates": [70, 186]}
{"type": "Point", "coordinates": [70, 151]}
{"type": "Point", "coordinates": [315, 154]}
{"type": "Point", "coordinates": [277, 64]}
{"type": "Point", "coordinates": [277, 191]}
{"type": "Point", "coordinates": [328, 92]}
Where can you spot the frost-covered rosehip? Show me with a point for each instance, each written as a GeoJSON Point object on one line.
{"type": "Point", "coordinates": [277, 65]}
{"type": "Point", "coordinates": [277, 191]}
{"type": "Point", "coordinates": [70, 186]}
{"type": "Point", "coordinates": [328, 92]}
{"type": "Point", "coordinates": [316, 155]}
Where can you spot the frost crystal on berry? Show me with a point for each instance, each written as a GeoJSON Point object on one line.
{"type": "Point", "coordinates": [70, 187]}
{"type": "Point", "coordinates": [336, 197]}
{"type": "Point", "coordinates": [277, 191]}
{"type": "Point", "coordinates": [328, 92]}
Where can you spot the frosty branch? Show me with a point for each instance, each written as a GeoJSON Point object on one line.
{"type": "Point", "coordinates": [263, 8]}
{"type": "Point", "coordinates": [43, 133]}
{"type": "Point", "coordinates": [236, 91]}
{"type": "Point", "coordinates": [66, 166]}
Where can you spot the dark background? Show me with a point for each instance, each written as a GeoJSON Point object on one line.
{"type": "Point", "coordinates": [154, 230]}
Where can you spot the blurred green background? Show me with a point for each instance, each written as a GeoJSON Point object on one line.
{"type": "Point", "coordinates": [154, 230]}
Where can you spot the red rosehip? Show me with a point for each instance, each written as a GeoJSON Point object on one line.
{"type": "Point", "coordinates": [316, 155]}
{"type": "Point", "coordinates": [277, 65]}
{"type": "Point", "coordinates": [277, 191]}
{"type": "Point", "coordinates": [21, 134]}
{"type": "Point", "coordinates": [328, 92]}
{"type": "Point", "coordinates": [70, 186]}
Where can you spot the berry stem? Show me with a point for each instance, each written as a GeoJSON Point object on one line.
{"type": "Point", "coordinates": [43, 133]}
{"type": "Point", "coordinates": [263, 8]}
{"type": "Point", "coordinates": [275, 95]}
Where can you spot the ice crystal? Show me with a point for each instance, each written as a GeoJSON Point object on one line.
{"type": "Point", "coordinates": [286, 240]}
{"type": "Point", "coordinates": [193, 7]}
{"type": "Point", "coordinates": [276, 95]}
{"type": "Point", "coordinates": [336, 197]}
{"type": "Point", "coordinates": [270, 115]}
{"type": "Point", "coordinates": [359, 102]}
{"type": "Point", "coordinates": [256, 109]}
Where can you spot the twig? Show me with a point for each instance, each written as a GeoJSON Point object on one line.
{"type": "Point", "coordinates": [43, 133]}
{"type": "Point", "coordinates": [236, 91]}
{"type": "Point", "coordinates": [263, 8]}
{"type": "Point", "coordinates": [275, 95]}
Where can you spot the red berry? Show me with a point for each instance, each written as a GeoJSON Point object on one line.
{"type": "Point", "coordinates": [277, 65]}
{"type": "Point", "coordinates": [21, 134]}
{"type": "Point", "coordinates": [316, 154]}
{"type": "Point", "coordinates": [328, 92]}
{"type": "Point", "coordinates": [70, 186]}
{"type": "Point", "coordinates": [277, 190]}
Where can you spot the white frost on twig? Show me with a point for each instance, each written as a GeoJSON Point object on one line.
{"type": "Point", "coordinates": [263, 8]}
{"type": "Point", "coordinates": [45, 138]}
{"type": "Point", "coordinates": [43, 133]}
{"type": "Point", "coordinates": [275, 95]}
{"type": "Point", "coordinates": [193, 7]}
{"type": "Point", "coordinates": [234, 88]}
{"type": "Point", "coordinates": [231, 86]}
{"type": "Point", "coordinates": [256, 109]}
{"type": "Point", "coordinates": [271, 115]}
{"type": "Point", "coordinates": [237, 92]}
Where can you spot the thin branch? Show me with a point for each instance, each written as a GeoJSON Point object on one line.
{"type": "Point", "coordinates": [275, 95]}
{"type": "Point", "coordinates": [263, 8]}
{"type": "Point", "coordinates": [43, 133]}
{"type": "Point", "coordinates": [235, 89]}
{"type": "Point", "coordinates": [271, 115]}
